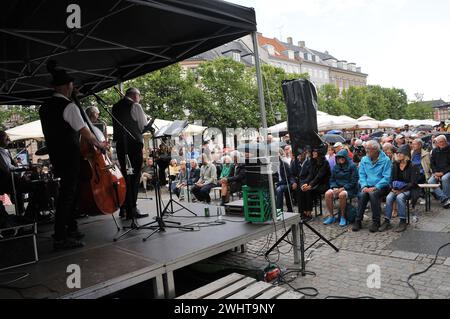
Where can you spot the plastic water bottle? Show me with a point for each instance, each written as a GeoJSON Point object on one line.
{"type": "Point", "coordinates": [219, 213]}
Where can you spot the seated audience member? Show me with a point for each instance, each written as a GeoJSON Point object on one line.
{"type": "Point", "coordinates": [399, 140]}
{"type": "Point", "coordinates": [233, 183]}
{"type": "Point", "coordinates": [181, 179]}
{"type": "Point", "coordinates": [331, 157]}
{"type": "Point", "coordinates": [300, 169]}
{"type": "Point", "coordinates": [225, 171]}
{"type": "Point", "coordinates": [374, 178]}
{"type": "Point", "coordinates": [340, 146]}
{"type": "Point", "coordinates": [405, 176]}
{"type": "Point", "coordinates": [148, 173]}
{"type": "Point", "coordinates": [358, 152]}
{"type": "Point", "coordinates": [389, 150]}
{"type": "Point", "coordinates": [285, 183]}
{"type": "Point", "coordinates": [301, 165]}
{"type": "Point", "coordinates": [422, 159]}
{"type": "Point", "coordinates": [174, 169]}
{"type": "Point", "coordinates": [208, 179]}
{"type": "Point", "coordinates": [194, 172]}
{"type": "Point", "coordinates": [440, 167]}
{"type": "Point", "coordinates": [316, 183]}
{"type": "Point", "coordinates": [343, 185]}
{"type": "Point", "coordinates": [192, 153]}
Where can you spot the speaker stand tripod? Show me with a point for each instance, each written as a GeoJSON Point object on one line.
{"type": "Point", "coordinates": [303, 250]}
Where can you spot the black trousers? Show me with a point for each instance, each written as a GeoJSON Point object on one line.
{"type": "Point", "coordinates": [306, 199]}
{"type": "Point", "coordinates": [134, 152]}
{"type": "Point", "coordinates": [69, 172]}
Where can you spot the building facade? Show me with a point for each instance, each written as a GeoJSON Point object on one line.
{"type": "Point", "coordinates": [279, 55]}
{"type": "Point", "coordinates": [322, 67]}
{"type": "Point", "coordinates": [441, 110]}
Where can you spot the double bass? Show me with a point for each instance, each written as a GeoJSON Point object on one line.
{"type": "Point", "coordinates": [102, 185]}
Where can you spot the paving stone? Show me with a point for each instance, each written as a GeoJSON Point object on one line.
{"type": "Point", "coordinates": [404, 255]}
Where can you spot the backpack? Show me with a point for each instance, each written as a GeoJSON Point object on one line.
{"type": "Point", "coordinates": [351, 213]}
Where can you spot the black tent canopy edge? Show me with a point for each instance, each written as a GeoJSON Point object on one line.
{"type": "Point", "coordinates": [118, 41]}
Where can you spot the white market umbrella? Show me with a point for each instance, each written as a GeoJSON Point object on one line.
{"type": "Point", "coordinates": [366, 122]}
{"type": "Point", "coordinates": [28, 131]}
{"type": "Point", "coordinates": [389, 123]}
{"type": "Point", "coordinates": [344, 122]}
{"type": "Point", "coordinates": [281, 127]}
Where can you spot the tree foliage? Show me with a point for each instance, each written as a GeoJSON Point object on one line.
{"type": "Point", "coordinates": [223, 93]}
{"type": "Point", "coordinates": [373, 100]}
{"type": "Point", "coordinates": [419, 110]}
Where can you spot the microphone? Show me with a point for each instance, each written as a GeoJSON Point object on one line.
{"type": "Point", "coordinates": [149, 126]}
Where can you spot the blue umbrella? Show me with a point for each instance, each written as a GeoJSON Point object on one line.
{"type": "Point", "coordinates": [335, 132]}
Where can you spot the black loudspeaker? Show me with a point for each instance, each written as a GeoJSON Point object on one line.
{"type": "Point", "coordinates": [301, 101]}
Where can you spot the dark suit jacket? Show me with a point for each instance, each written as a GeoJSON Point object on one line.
{"type": "Point", "coordinates": [194, 176]}
{"type": "Point", "coordinates": [286, 175]}
{"type": "Point", "coordinates": [237, 174]}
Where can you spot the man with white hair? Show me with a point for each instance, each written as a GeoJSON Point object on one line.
{"type": "Point", "coordinates": [131, 115]}
{"type": "Point", "coordinates": [99, 127]}
{"type": "Point", "coordinates": [375, 172]}
{"type": "Point", "coordinates": [440, 167]}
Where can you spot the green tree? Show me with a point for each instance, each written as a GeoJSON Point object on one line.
{"type": "Point", "coordinates": [18, 115]}
{"type": "Point", "coordinates": [166, 93]}
{"type": "Point", "coordinates": [397, 102]}
{"type": "Point", "coordinates": [331, 102]}
{"type": "Point", "coordinates": [356, 100]}
{"type": "Point", "coordinates": [377, 102]}
{"type": "Point", "coordinates": [419, 111]}
{"type": "Point", "coordinates": [229, 98]}
{"type": "Point", "coordinates": [273, 78]}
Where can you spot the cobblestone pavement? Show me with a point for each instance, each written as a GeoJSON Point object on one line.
{"type": "Point", "coordinates": [346, 273]}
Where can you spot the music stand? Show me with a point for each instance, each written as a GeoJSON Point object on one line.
{"type": "Point", "coordinates": [159, 225]}
{"type": "Point", "coordinates": [175, 129]}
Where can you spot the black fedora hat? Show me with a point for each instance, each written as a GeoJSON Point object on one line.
{"type": "Point", "coordinates": [60, 76]}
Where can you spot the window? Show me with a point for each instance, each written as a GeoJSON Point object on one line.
{"type": "Point", "coordinates": [291, 55]}
{"type": "Point", "coordinates": [236, 56]}
{"type": "Point", "coordinates": [270, 49]}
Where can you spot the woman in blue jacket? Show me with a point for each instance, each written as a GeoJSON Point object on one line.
{"type": "Point", "coordinates": [343, 185]}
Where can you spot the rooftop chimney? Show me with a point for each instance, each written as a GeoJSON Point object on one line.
{"type": "Point", "coordinates": [302, 44]}
{"type": "Point", "coordinates": [289, 40]}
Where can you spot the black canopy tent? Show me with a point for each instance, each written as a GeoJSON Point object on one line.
{"type": "Point", "coordinates": [118, 40]}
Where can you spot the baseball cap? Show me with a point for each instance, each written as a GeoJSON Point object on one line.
{"type": "Point", "coordinates": [338, 144]}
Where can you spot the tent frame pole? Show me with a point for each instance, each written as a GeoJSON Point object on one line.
{"type": "Point", "coordinates": [262, 107]}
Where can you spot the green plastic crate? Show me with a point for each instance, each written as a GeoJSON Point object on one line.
{"type": "Point", "coordinates": [257, 204]}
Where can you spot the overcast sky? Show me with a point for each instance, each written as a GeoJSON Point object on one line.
{"type": "Point", "coordinates": [399, 43]}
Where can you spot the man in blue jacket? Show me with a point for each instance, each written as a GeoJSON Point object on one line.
{"type": "Point", "coordinates": [374, 178]}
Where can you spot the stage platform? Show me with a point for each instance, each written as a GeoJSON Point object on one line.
{"type": "Point", "coordinates": [107, 267]}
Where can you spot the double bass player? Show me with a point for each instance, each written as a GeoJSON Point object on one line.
{"type": "Point", "coordinates": [62, 125]}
